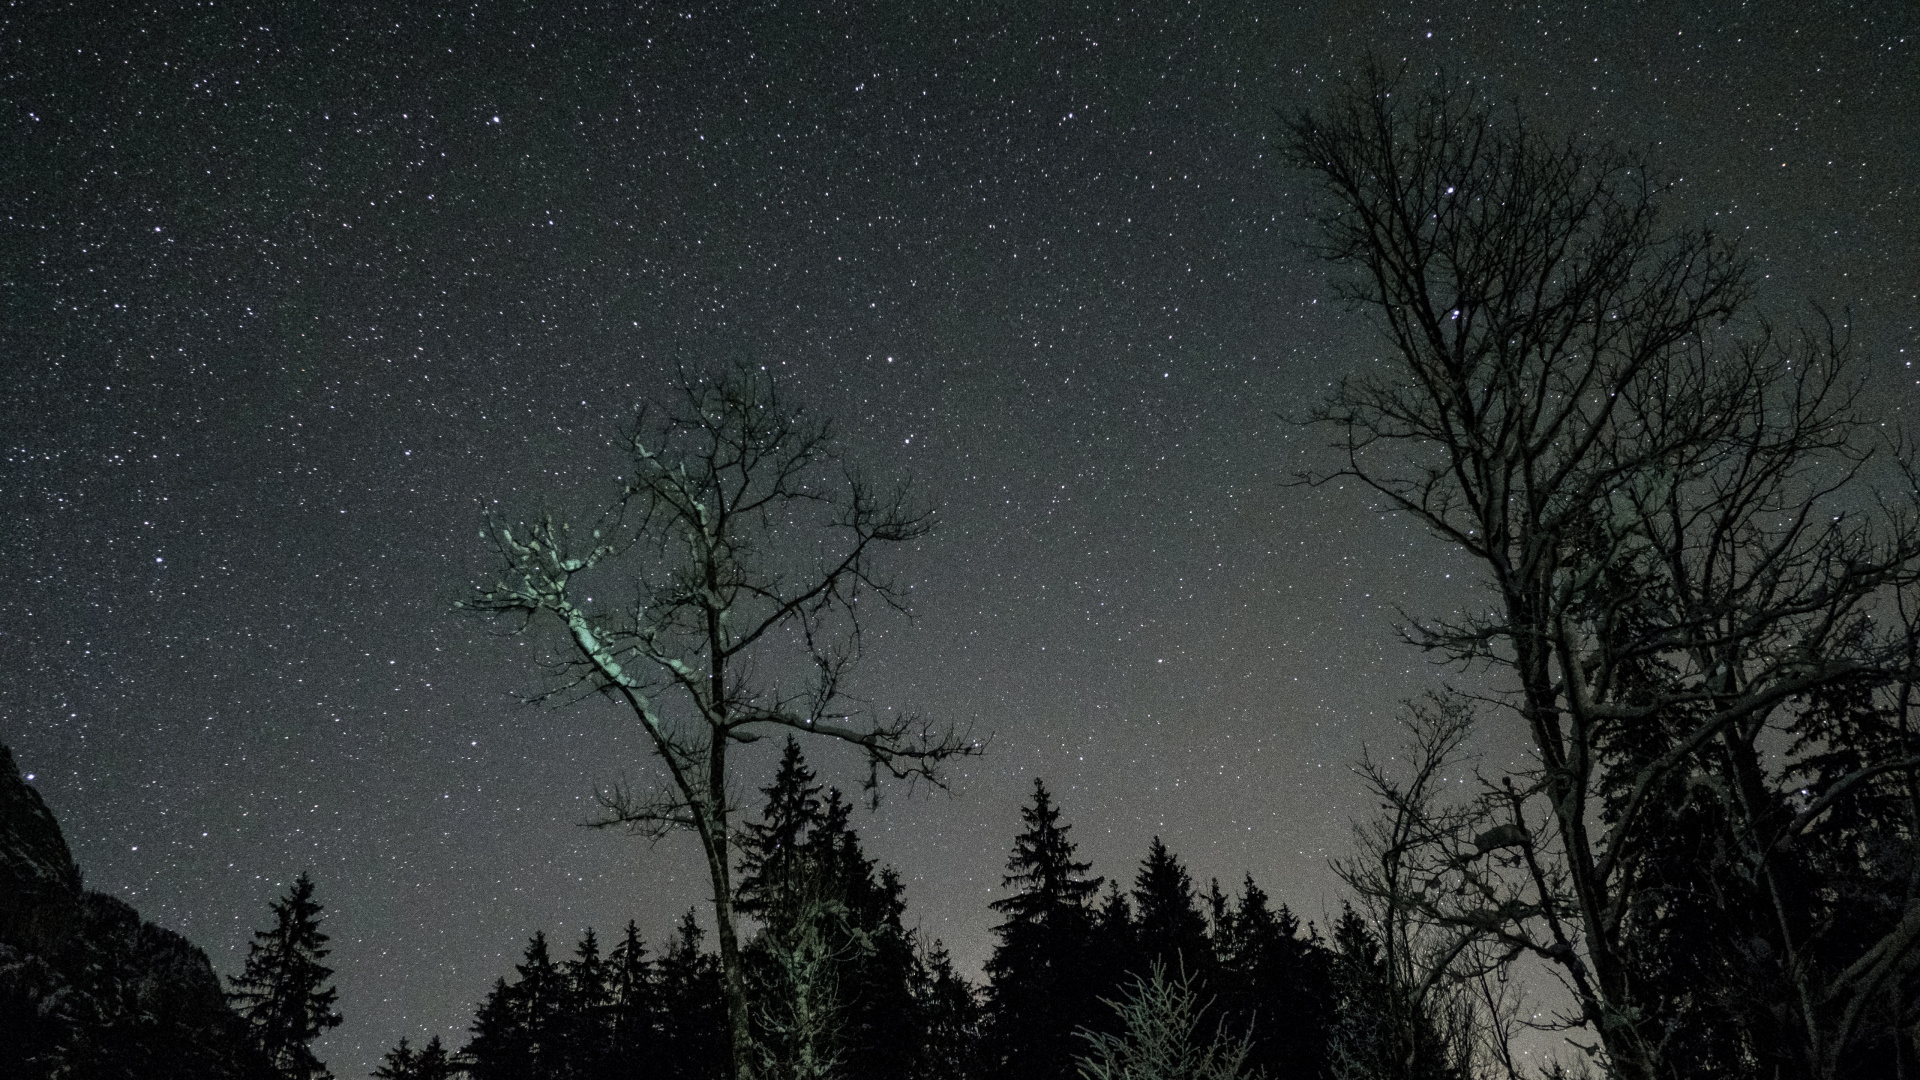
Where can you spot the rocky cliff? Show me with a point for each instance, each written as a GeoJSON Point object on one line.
{"type": "Point", "coordinates": [88, 990]}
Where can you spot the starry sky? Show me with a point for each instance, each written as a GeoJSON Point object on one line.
{"type": "Point", "coordinates": [293, 293]}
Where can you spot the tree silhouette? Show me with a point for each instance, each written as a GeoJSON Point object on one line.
{"type": "Point", "coordinates": [1382, 1032]}
{"type": "Point", "coordinates": [748, 546]}
{"type": "Point", "coordinates": [634, 1008]}
{"type": "Point", "coordinates": [1672, 525]}
{"type": "Point", "coordinates": [283, 992]}
{"type": "Point", "coordinates": [946, 1041]}
{"type": "Point", "coordinates": [832, 965]}
{"type": "Point", "coordinates": [1275, 985]}
{"type": "Point", "coordinates": [1168, 927]}
{"type": "Point", "coordinates": [694, 1041]}
{"type": "Point", "coordinates": [1043, 971]}
{"type": "Point", "coordinates": [430, 1062]}
{"type": "Point", "coordinates": [774, 850]}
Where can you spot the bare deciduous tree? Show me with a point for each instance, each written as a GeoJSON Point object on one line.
{"type": "Point", "coordinates": [747, 547]}
{"type": "Point", "coordinates": [1442, 1005]}
{"type": "Point", "coordinates": [1682, 557]}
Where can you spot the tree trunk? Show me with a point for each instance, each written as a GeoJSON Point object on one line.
{"type": "Point", "coordinates": [733, 979]}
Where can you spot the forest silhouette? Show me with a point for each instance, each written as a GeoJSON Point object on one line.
{"type": "Point", "coordinates": [1701, 560]}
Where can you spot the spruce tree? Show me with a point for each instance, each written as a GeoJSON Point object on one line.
{"type": "Point", "coordinates": [401, 1063]}
{"type": "Point", "coordinates": [772, 848]}
{"type": "Point", "coordinates": [434, 1063]}
{"type": "Point", "coordinates": [1276, 985]}
{"type": "Point", "coordinates": [541, 995]}
{"type": "Point", "coordinates": [833, 966]}
{"type": "Point", "coordinates": [1044, 981]}
{"type": "Point", "coordinates": [1116, 938]}
{"type": "Point", "coordinates": [1221, 930]}
{"type": "Point", "coordinates": [428, 1063]}
{"type": "Point", "coordinates": [633, 1000]}
{"type": "Point", "coordinates": [521, 1032]}
{"type": "Point", "coordinates": [284, 993]}
{"type": "Point", "coordinates": [1168, 926]}
{"type": "Point", "coordinates": [585, 1020]}
{"type": "Point", "coordinates": [945, 1040]}
{"type": "Point", "coordinates": [693, 1039]}
{"type": "Point", "coordinates": [877, 978]}
{"type": "Point", "coordinates": [1381, 1032]}
{"type": "Point", "coordinates": [499, 1048]}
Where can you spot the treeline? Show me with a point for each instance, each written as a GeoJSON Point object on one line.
{"type": "Point", "coordinates": [842, 987]}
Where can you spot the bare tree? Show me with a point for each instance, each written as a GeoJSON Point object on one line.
{"type": "Point", "coordinates": [1441, 1006]}
{"type": "Point", "coordinates": [1682, 556]}
{"type": "Point", "coordinates": [747, 547]}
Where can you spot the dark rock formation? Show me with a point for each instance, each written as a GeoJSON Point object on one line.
{"type": "Point", "coordinates": [87, 989]}
{"type": "Point", "coordinates": [38, 878]}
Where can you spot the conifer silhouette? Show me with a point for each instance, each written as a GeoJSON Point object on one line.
{"type": "Point", "coordinates": [1046, 978]}
{"type": "Point", "coordinates": [833, 968]}
{"type": "Point", "coordinates": [1169, 928]}
{"type": "Point", "coordinates": [431, 1062]}
{"type": "Point", "coordinates": [283, 993]}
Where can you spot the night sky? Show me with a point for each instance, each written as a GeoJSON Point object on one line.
{"type": "Point", "coordinates": [292, 293]}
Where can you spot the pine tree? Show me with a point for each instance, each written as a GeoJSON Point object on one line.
{"type": "Point", "coordinates": [585, 1019]}
{"type": "Point", "coordinates": [499, 1047]}
{"type": "Point", "coordinates": [541, 996]}
{"type": "Point", "coordinates": [880, 990]}
{"type": "Point", "coordinates": [833, 964]}
{"type": "Point", "coordinates": [434, 1063]}
{"type": "Point", "coordinates": [1221, 931]}
{"type": "Point", "coordinates": [1116, 942]}
{"type": "Point", "coordinates": [693, 1038]}
{"type": "Point", "coordinates": [1044, 981]}
{"type": "Point", "coordinates": [1381, 1033]}
{"type": "Point", "coordinates": [1169, 927]}
{"type": "Point", "coordinates": [946, 1038]}
{"type": "Point", "coordinates": [283, 993]}
{"type": "Point", "coordinates": [634, 1001]}
{"type": "Point", "coordinates": [405, 1063]}
{"type": "Point", "coordinates": [772, 848]}
{"type": "Point", "coordinates": [1276, 985]}
{"type": "Point", "coordinates": [521, 1031]}
{"type": "Point", "coordinates": [401, 1063]}
{"type": "Point", "coordinates": [877, 977]}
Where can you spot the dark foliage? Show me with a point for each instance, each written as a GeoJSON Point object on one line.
{"type": "Point", "coordinates": [283, 992]}
{"type": "Point", "coordinates": [1703, 617]}
{"type": "Point", "coordinates": [894, 1011]}
{"type": "Point", "coordinates": [1168, 926]}
{"type": "Point", "coordinates": [431, 1062]}
{"type": "Point", "coordinates": [1062, 959]}
{"type": "Point", "coordinates": [1044, 972]}
{"type": "Point", "coordinates": [746, 539]}
{"type": "Point", "coordinates": [590, 1018]}
{"type": "Point", "coordinates": [951, 1022]}
{"type": "Point", "coordinates": [1373, 1035]}
{"type": "Point", "coordinates": [1273, 983]}
{"type": "Point", "coordinates": [833, 966]}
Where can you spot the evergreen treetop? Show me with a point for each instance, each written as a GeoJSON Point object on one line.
{"type": "Point", "coordinates": [431, 1062]}
{"type": "Point", "coordinates": [1047, 972]}
{"type": "Point", "coordinates": [283, 993]}
{"type": "Point", "coordinates": [1042, 868]}
{"type": "Point", "coordinates": [772, 847]}
{"type": "Point", "coordinates": [1168, 925]}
